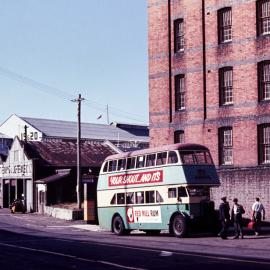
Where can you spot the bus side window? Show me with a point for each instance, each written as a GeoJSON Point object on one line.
{"type": "Point", "coordinates": [172, 158]}
{"type": "Point", "coordinates": [161, 158]}
{"type": "Point", "coordinates": [121, 164]}
{"type": "Point", "coordinates": [150, 160]}
{"type": "Point", "coordinates": [105, 168]}
{"type": "Point", "coordinates": [131, 163]}
{"type": "Point", "coordinates": [130, 198]}
{"type": "Point", "coordinates": [120, 198]}
{"type": "Point", "coordinates": [139, 197]}
{"type": "Point", "coordinates": [172, 193]}
{"type": "Point", "coordinates": [140, 161]}
{"type": "Point", "coordinates": [150, 196]}
{"type": "Point", "coordinates": [112, 165]}
{"type": "Point", "coordinates": [182, 192]}
{"type": "Point", "coordinates": [113, 200]}
{"type": "Point", "coordinates": [159, 199]}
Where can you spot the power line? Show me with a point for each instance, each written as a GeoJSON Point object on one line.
{"type": "Point", "coordinates": [45, 88]}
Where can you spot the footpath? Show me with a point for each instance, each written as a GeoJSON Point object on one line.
{"type": "Point", "coordinates": [256, 247]}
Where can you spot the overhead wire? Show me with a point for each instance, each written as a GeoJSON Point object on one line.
{"type": "Point", "coordinates": [50, 90]}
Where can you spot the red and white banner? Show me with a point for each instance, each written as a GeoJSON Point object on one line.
{"type": "Point", "coordinates": [136, 178]}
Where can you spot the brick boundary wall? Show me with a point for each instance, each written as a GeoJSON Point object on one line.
{"type": "Point", "coordinates": [245, 184]}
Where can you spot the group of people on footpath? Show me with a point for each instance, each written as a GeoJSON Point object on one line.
{"type": "Point", "coordinates": [258, 213]}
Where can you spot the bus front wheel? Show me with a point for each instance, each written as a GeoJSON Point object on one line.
{"type": "Point", "coordinates": [178, 226]}
{"type": "Point", "coordinates": [118, 226]}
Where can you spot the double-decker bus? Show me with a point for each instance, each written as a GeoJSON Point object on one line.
{"type": "Point", "coordinates": [163, 188]}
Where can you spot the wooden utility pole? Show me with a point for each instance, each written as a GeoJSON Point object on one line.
{"type": "Point", "coordinates": [79, 182]}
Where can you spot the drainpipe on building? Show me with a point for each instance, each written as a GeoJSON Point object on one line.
{"type": "Point", "coordinates": [170, 60]}
{"type": "Point", "coordinates": [204, 60]}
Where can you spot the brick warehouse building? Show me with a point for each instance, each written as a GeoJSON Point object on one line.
{"type": "Point", "coordinates": [209, 82]}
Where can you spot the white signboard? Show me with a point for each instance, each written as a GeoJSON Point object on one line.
{"type": "Point", "coordinates": [144, 214]}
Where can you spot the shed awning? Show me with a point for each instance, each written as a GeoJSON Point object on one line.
{"type": "Point", "coordinates": [52, 178]}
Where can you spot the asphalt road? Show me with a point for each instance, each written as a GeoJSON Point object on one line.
{"type": "Point", "coordinates": [35, 245]}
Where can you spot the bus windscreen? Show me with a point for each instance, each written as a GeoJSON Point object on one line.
{"type": "Point", "coordinates": [195, 157]}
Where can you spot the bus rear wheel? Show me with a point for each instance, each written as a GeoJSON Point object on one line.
{"type": "Point", "coordinates": [118, 226]}
{"type": "Point", "coordinates": [178, 226]}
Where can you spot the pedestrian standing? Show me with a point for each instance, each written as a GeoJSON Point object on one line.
{"type": "Point", "coordinates": [224, 217]}
{"type": "Point", "coordinates": [237, 212]}
{"type": "Point", "coordinates": [258, 213]}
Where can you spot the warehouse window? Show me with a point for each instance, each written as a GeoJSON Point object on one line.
{"type": "Point", "coordinates": [178, 35]}
{"type": "Point", "coordinates": [179, 136]}
{"type": "Point", "coordinates": [264, 80]}
{"type": "Point", "coordinates": [225, 25]}
{"type": "Point", "coordinates": [225, 146]}
{"type": "Point", "coordinates": [263, 17]}
{"type": "Point", "coordinates": [179, 92]}
{"type": "Point", "coordinates": [226, 85]}
{"type": "Point", "coordinates": [264, 143]}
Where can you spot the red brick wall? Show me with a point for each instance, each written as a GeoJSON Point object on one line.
{"type": "Point", "coordinates": [243, 53]}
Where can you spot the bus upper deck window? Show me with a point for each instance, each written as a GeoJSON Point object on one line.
{"type": "Point", "coordinates": [188, 157]}
{"type": "Point", "coordinates": [105, 168]}
{"type": "Point", "coordinates": [150, 160]}
{"type": "Point", "coordinates": [172, 158]}
{"type": "Point", "coordinates": [161, 158]}
{"type": "Point", "coordinates": [131, 163]}
{"type": "Point", "coordinates": [203, 157]}
{"type": "Point", "coordinates": [139, 197]}
{"type": "Point", "coordinates": [112, 165]}
{"type": "Point", "coordinates": [140, 161]}
{"type": "Point", "coordinates": [182, 192]}
{"type": "Point", "coordinates": [172, 193]}
{"type": "Point", "coordinates": [121, 164]}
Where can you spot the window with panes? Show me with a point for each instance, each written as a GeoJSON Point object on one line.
{"type": "Point", "coordinates": [264, 143]}
{"type": "Point", "coordinates": [226, 146]}
{"type": "Point", "coordinates": [226, 85]}
{"type": "Point", "coordinates": [264, 80]}
{"type": "Point", "coordinates": [179, 92]}
{"type": "Point", "coordinates": [225, 25]}
{"type": "Point", "coordinates": [263, 17]}
{"type": "Point", "coordinates": [178, 35]}
{"type": "Point", "coordinates": [179, 136]}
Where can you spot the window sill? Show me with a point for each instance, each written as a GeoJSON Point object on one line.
{"type": "Point", "coordinates": [180, 110]}
{"type": "Point", "coordinates": [225, 106]}
{"type": "Point", "coordinates": [225, 43]}
{"type": "Point", "coordinates": [264, 102]}
{"type": "Point", "coordinates": [263, 36]}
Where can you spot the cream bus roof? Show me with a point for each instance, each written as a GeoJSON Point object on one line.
{"type": "Point", "coordinates": [177, 146]}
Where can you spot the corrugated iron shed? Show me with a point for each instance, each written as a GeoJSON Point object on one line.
{"type": "Point", "coordinates": [63, 154]}
{"type": "Point", "coordinates": [68, 129]}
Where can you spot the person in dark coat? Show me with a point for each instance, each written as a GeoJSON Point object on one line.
{"type": "Point", "coordinates": [237, 212]}
{"type": "Point", "coordinates": [224, 217]}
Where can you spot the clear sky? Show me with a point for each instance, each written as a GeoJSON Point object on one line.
{"type": "Point", "coordinates": [52, 50]}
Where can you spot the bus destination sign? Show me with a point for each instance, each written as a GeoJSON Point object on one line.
{"type": "Point", "coordinates": [136, 178]}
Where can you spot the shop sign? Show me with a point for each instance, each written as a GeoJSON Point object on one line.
{"type": "Point", "coordinates": [16, 170]}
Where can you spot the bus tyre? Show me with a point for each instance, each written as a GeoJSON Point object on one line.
{"type": "Point", "coordinates": [118, 226]}
{"type": "Point", "coordinates": [178, 226]}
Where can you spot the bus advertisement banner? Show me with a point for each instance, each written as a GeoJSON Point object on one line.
{"type": "Point", "coordinates": [136, 178]}
{"type": "Point", "coordinates": [144, 214]}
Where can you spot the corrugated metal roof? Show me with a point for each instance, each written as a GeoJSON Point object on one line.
{"type": "Point", "coordinates": [68, 129]}
{"type": "Point", "coordinates": [64, 154]}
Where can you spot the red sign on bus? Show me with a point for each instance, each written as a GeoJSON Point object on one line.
{"type": "Point", "coordinates": [136, 178]}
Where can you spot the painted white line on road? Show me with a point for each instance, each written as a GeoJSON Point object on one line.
{"type": "Point", "coordinates": [72, 257]}
{"type": "Point", "coordinates": [217, 257]}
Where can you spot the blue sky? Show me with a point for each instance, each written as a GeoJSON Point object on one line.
{"type": "Point", "coordinates": [50, 51]}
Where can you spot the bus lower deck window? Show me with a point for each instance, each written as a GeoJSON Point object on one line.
{"type": "Point", "coordinates": [130, 198]}
{"type": "Point", "coordinates": [159, 198]}
{"type": "Point", "coordinates": [113, 200]}
{"type": "Point", "coordinates": [150, 196]}
{"type": "Point", "coordinates": [120, 198]}
{"type": "Point", "coordinates": [139, 197]}
{"type": "Point", "coordinates": [182, 192]}
{"type": "Point", "coordinates": [172, 193]}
